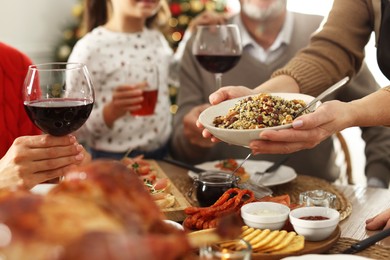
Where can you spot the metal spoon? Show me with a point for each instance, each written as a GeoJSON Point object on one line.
{"type": "Point", "coordinates": [243, 161]}
{"type": "Point", "coordinates": [323, 95]}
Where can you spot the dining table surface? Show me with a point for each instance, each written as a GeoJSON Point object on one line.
{"type": "Point", "coordinates": [366, 202]}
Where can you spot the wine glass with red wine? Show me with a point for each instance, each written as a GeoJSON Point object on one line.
{"type": "Point", "coordinates": [217, 48]}
{"type": "Point", "coordinates": [58, 97]}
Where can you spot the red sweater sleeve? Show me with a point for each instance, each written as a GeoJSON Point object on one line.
{"type": "Point", "coordinates": [14, 121]}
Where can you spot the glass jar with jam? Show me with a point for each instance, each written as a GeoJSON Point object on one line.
{"type": "Point", "coordinates": [210, 185]}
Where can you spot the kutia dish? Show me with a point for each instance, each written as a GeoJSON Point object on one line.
{"type": "Point", "coordinates": [241, 137]}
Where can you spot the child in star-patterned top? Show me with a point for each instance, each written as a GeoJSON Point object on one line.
{"type": "Point", "coordinates": [121, 33]}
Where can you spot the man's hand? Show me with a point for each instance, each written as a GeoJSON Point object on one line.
{"type": "Point", "coordinates": [207, 18]}
{"type": "Point", "coordinates": [191, 131]}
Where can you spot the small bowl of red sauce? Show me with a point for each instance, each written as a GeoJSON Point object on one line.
{"type": "Point", "coordinates": [314, 223]}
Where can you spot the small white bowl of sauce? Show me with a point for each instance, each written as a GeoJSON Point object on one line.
{"type": "Point", "coordinates": [314, 223]}
{"type": "Point", "coordinates": [265, 215]}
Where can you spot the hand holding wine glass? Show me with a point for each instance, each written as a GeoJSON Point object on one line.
{"type": "Point", "coordinates": [58, 97]}
{"type": "Point", "coordinates": [217, 48]}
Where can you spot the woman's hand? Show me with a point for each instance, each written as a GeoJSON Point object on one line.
{"type": "Point", "coordinates": [380, 221]}
{"type": "Point", "coordinates": [307, 132]}
{"type": "Point", "coordinates": [35, 159]}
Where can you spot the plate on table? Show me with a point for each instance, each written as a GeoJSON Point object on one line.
{"type": "Point", "coordinates": [282, 175]}
{"type": "Point", "coordinates": [245, 136]}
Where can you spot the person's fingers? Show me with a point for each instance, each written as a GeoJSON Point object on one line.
{"type": "Point", "coordinates": [229, 92]}
{"type": "Point", "coordinates": [271, 147]}
{"type": "Point", "coordinates": [37, 178]}
{"type": "Point", "coordinates": [313, 136]}
{"type": "Point", "coordinates": [199, 124]}
{"type": "Point", "coordinates": [127, 95]}
{"type": "Point", "coordinates": [380, 221]}
{"type": "Point", "coordinates": [207, 134]}
{"type": "Point", "coordinates": [309, 121]}
{"type": "Point", "coordinates": [217, 97]}
{"type": "Point", "coordinates": [376, 224]}
{"type": "Point", "coordinates": [54, 152]}
{"type": "Point", "coordinates": [45, 140]}
{"type": "Point", "coordinates": [34, 166]}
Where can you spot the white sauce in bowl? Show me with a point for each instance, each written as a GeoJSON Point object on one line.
{"type": "Point", "coordinates": [265, 212]}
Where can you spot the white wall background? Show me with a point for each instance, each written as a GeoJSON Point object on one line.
{"type": "Point", "coordinates": [35, 27]}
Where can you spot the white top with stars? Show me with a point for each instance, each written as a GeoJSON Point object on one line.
{"type": "Point", "coordinates": [107, 54]}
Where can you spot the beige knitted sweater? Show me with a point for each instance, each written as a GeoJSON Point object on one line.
{"type": "Point", "coordinates": [338, 49]}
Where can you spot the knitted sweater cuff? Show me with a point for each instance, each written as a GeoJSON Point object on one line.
{"type": "Point", "coordinates": [311, 79]}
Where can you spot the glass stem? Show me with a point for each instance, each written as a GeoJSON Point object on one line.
{"type": "Point", "coordinates": [218, 80]}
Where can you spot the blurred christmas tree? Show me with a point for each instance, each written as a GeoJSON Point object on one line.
{"type": "Point", "coordinates": [71, 34]}
{"type": "Point", "coordinates": [182, 12]}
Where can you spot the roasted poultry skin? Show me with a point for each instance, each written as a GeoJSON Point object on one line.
{"type": "Point", "coordinates": [99, 211]}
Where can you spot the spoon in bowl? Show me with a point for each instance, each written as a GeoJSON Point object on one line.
{"type": "Point", "coordinates": [321, 96]}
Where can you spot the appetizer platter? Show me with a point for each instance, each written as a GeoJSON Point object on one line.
{"type": "Point", "coordinates": [166, 195]}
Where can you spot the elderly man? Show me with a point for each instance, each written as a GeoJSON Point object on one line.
{"type": "Point", "coordinates": [271, 35]}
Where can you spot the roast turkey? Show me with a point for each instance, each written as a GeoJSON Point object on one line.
{"type": "Point", "coordinates": [99, 211]}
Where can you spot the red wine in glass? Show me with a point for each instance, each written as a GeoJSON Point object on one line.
{"type": "Point", "coordinates": [217, 48]}
{"type": "Point", "coordinates": [59, 117]}
{"type": "Point", "coordinates": [217, 63]}
{"type": "Point", "coordinates": [58, 97]}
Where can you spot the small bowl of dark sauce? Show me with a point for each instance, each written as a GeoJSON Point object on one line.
{"type": "Point", "coordinates": [314, 223]}
{"type": "Point", "coordinates": [210, 185]}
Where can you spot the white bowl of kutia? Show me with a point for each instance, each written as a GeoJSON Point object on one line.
{"type": "Point", "coordinates": [265, 215]}
{"type": "Point", "coordinates": [314, 223]}
{"type": "Point", "coordinates": [247, 109]}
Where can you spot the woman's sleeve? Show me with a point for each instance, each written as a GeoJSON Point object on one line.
{"type": "Point", "coordinates": [335, 51]}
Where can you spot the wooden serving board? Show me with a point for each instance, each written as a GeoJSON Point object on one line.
{"type": "Point", "coordinates": [175, 213]}
{"type": "Point", "coordinates": [310, 248]}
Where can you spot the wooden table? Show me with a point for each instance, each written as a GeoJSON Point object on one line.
{"type": "Point", "coordinates": [366, 202]}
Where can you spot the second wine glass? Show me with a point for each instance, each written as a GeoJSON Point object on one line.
{"type": "Point", "coordinates": [217, 48]}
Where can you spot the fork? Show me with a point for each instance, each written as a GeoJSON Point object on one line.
{"type": "Point", "coordinates": [273, 167]}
